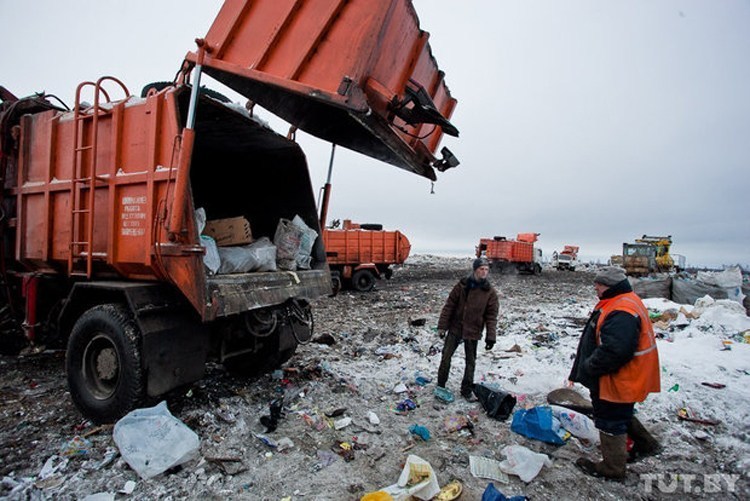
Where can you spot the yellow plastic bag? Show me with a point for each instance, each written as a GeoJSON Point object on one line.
{"type": "Point", "coordinates": [377, 496]}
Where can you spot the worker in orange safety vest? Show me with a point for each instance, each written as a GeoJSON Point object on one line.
{"type": "Point", "coordinates": [618, 361]}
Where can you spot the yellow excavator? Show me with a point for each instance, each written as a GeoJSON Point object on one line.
{"type": "Point", "coordinates": [649, 254]}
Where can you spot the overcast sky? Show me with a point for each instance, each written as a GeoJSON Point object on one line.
{"type": "Point", "coordinates": [590, 122]}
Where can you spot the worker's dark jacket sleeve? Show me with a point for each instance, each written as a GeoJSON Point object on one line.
{"type": "Point", "coordinates": [468, 311]}
{"type": "Point", "coordinates": [619, 342]}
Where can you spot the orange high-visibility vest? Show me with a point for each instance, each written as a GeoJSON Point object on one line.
{"type": "Point", "coordinates": [640, 376]}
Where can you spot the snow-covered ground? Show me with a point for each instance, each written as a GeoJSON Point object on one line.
{"type": "Point", "coordinates": [380, 347]}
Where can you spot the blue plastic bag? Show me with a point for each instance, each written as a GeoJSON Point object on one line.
{"type": "Point", "coordinates": [492, 494]}
{"type": "Point", "coordinates": [538, 423]}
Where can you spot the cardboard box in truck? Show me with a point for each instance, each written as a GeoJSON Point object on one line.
{"type": "Point", "coordinates": [229, 231]}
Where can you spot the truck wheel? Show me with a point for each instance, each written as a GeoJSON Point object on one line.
{"type": "Point", "coordinates": [103, 363]}
{"type": "Point", "coordinates": [363, 280]}
{"type": "Point", "coordinates": [537, 269]}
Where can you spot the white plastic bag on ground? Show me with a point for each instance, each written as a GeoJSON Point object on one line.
{"type": "Point", "coordinates": [417, 480]}
{"type": "Point", "coordinates": [579, 425]}
{"type": "Point", "coordinates": [152, 440]}
{"type": "Point", "coordinates": [523, 462]}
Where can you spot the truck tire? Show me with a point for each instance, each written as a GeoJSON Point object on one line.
{"type": "Point", "coordinates": [537, 269]}
{"type": "Point", "coordinates": [103, 363]}
{"type": "Point", "coordinates": [363, 281]}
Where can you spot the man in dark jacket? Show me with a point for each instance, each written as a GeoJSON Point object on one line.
{"type": "Point", "coordinates": [618, 362]}
{"type": "Point", "coordinates": [471, 308]}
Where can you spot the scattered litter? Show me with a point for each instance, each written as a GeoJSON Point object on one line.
{"type": "Point", "coordinates": [373, 418]}
{"type": "Point", "coordinates": [269, 442]}
{"type": "Point", "coordinates": [450, 491]}
{"type": "Point", "coordinates": [100, 496]}
{"type": "Point", "coordinates": [128, 488]}
{"type": "Point", "coordinates": [497, 403]}
{"type": "Point", "coordinates": [717, 386]}
{"type": "Point", "coordinates": [492, 494]}
{"type": "Point", "coordinates": [325, 458]}
{"type": "Point", "coordinates": [482, 467]}
{"type": "Point", "coordinates": [336, 412]}
{"type": "Point", "coordinates": [456, 423]}
{"type": "Point", "coordinates": [443, 394]}
{"type": "Point", "coordinates": [151, 440]}
{"type": "Point", "coordinates": [420, 431]}
{"type": "Point", "coordinates": [578, 424]}
{"type": "Point", "coordinates": [417, 479]}
{"type": "Point", "coordinates": [52, 466]}
{"type": "Point", "coordinates": [400, 388]}
{"type": "Point", "coordinates": [271, 421]}
{"type": "Point", "coordinates": [406, 405]}
{"type": "Point", "coordinates": [75, 447]}
{"type": "Point", "coordinates": [377, 496]}
{"type": "Point", "coordinates": [342, 423]}
{"type": "Point", "coordinates": [523, 462]}
{"type": "Point", "coordinates": [539, 423]}
{"type": "Point", "coordinates": [284, 443]}
{"type": "Point", "coordinates": [686, 414]}
{"type": "Point", "coordinates": [676, 387]}
{"type": "Point", "coordinates": [109, 455]}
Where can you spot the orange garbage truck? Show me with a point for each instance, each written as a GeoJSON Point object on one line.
{"type": "Point", "coordinates": [102, 252]}
{"type": "Point", "coordinates": [359, 254]}
{"type": "Point", "coordinates": [519, 255]}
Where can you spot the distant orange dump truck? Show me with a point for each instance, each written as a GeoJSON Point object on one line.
{"type": "Point", "coordinates": [358, 254]}
{"type": "Point", "coordinates": [519, 254]}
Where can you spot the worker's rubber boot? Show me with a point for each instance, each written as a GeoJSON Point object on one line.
{"type": "Point", "coordinates": [614, 454]}
{"type": "Point", "coordinates": [644, 444]}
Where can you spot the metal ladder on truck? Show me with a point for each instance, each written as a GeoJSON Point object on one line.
{"type": "Point", "coordinates": [83, 181]}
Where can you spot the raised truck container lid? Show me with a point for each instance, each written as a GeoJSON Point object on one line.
{"type": "Point", "coordinates": [357, 73]}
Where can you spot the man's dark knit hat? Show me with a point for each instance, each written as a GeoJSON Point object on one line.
{"type": "Point", "coordinates": [609, 276]}
{"type": "Point", "coordinates": [480, 261]}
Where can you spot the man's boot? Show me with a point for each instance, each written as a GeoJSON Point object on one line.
{"type": "Point", "coordinates": [614, 454]}
{"type": "Point", "coordinates": [644, 444]}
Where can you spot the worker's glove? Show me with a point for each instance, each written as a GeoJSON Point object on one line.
{"type": "Point", "coordinates": [488, 346]}
{"type": "Point", "coordinates": [441, 333]}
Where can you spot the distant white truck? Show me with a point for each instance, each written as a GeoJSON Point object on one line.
{"type": "Point", "coordinates": [567, 259]}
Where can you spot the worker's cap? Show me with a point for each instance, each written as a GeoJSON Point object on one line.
{"type": "Point", "coordinates": [480, 261]}
{"type": "Point", "coordinates": [609, 276]}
